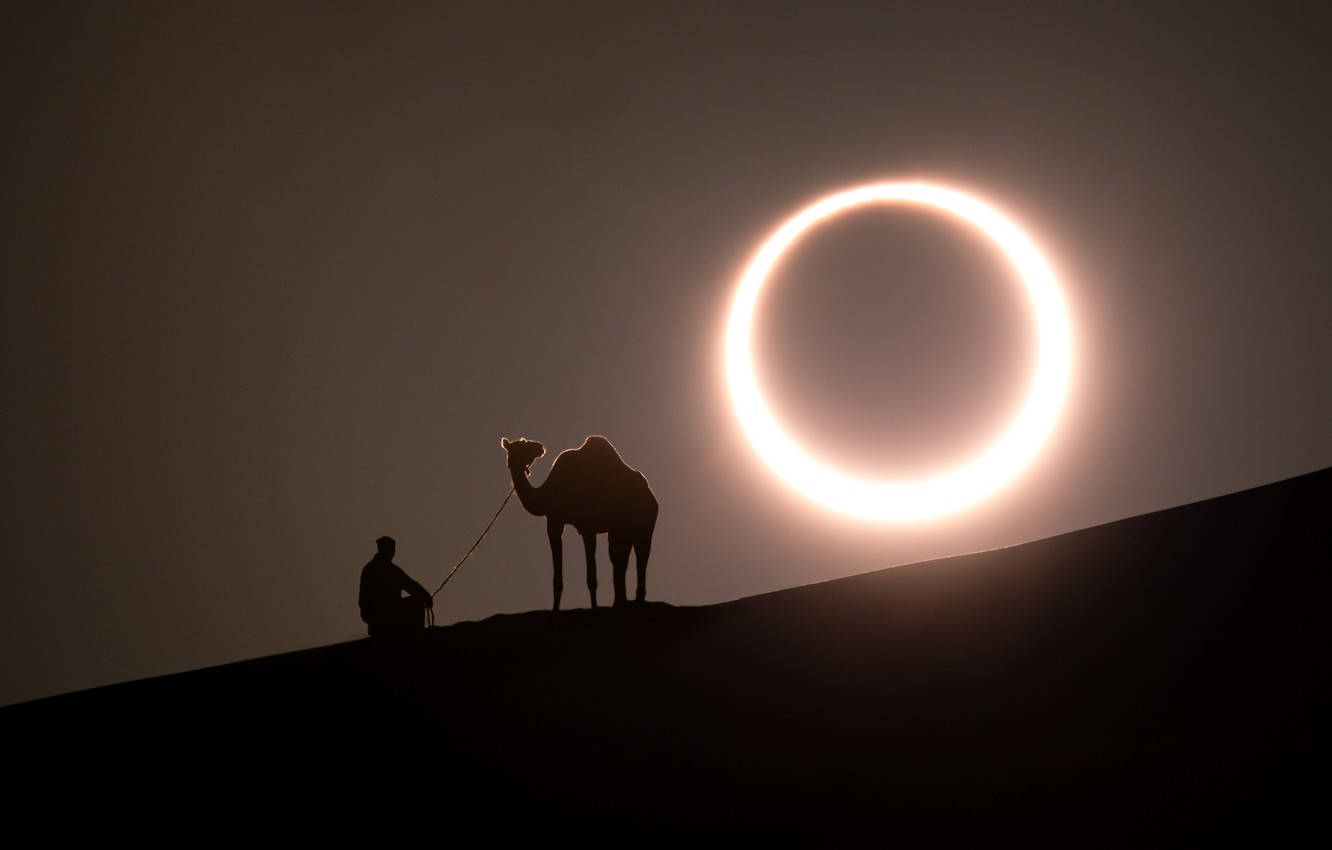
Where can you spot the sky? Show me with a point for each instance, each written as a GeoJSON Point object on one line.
{"type": "Point", "coordinates": [279, 277]}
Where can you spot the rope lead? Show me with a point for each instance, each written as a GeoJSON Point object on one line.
{"type": "Point", "coordinates": [430, 613]}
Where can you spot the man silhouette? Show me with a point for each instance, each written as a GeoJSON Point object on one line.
{"type": "Point", "coordinates": [383, 607]}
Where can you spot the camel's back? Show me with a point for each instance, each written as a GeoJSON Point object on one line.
{"type": "Point", "coordinates": [596, 482]}
{"type": "Point", "coordinates": [598, 449]}
{"type": "Point", "coordinates": [596, 457]}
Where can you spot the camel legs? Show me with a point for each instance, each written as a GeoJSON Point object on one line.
{"type": "Point", "coordinates": [619, 557]}
{"type": "Point", "coordinates": [590, 549]}
{"type": "Point", "coordinates": [555, 533]}
{"type": "Point", "coordinates": [642, 549]}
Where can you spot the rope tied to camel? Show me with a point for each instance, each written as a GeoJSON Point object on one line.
{"type": "Point", "coordinates": [430, 613]}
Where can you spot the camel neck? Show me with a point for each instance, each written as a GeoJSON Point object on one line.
{"type": "Point", "coordinates": [527, 494]}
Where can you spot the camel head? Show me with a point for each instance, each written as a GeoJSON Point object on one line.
{"type": "Point", "coordinates": [522, 452]}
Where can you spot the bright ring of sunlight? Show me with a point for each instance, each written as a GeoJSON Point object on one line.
{"type": "Point", "coordinates": [958, 488]}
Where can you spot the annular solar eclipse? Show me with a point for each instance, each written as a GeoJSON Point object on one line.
{"type": "Point", "coordinates": [975, 479]}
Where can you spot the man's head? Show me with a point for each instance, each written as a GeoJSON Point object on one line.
{"type": "Point", "coordinates": [387, 546]}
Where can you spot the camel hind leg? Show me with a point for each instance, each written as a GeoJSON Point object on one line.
{"type": "Point", "coordinates": [642, 550]}
{"type": "Point", "coordinates": [590, 549]}
{"type": "Point", "coordinates": [643, 545]}
{"type": "Point", "coordinates": [619, 557]}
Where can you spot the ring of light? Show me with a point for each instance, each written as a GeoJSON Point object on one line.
{"type": "Point", "coordinates": [945, 493]}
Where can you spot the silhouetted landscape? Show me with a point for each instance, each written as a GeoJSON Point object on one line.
{"type": "Point", "coordinates": [1159, 675]}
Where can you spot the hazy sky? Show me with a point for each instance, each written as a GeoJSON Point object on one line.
{"type": "Point", "coordinates": [277, 280]}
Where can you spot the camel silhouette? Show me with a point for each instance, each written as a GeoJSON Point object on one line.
{"type": "Point", "coordinates": [593, 490]}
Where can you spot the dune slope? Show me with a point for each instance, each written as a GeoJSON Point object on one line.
{"type": "Point", "coordinates": [1163, 672]}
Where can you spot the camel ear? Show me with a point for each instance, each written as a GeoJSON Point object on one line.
{"type": "Point", "coordinates": [504, 443]}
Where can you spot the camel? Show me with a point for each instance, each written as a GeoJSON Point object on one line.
{"type": "Point", "coordinates": [593, 490]}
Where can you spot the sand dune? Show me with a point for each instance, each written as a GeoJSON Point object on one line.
{"type": "Point", "coordinates": [1161, 674]}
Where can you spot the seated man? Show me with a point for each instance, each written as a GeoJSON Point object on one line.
{"type": "Point", "coordinates": [383, 607]}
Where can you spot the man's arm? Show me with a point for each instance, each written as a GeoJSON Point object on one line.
{"type": "Point", "coordinates": [412, 587]}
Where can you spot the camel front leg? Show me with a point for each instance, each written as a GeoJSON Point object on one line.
{"type": "Point", "coordinates": [555, 533]}
{"type": "Point", "coordinates": [590, 549]}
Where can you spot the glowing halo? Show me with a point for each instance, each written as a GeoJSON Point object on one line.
{"type": "Point", "coordinates": [895, 500]}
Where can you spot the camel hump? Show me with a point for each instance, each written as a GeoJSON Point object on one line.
{"type": "Point", "coordinates": [598, 446]}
